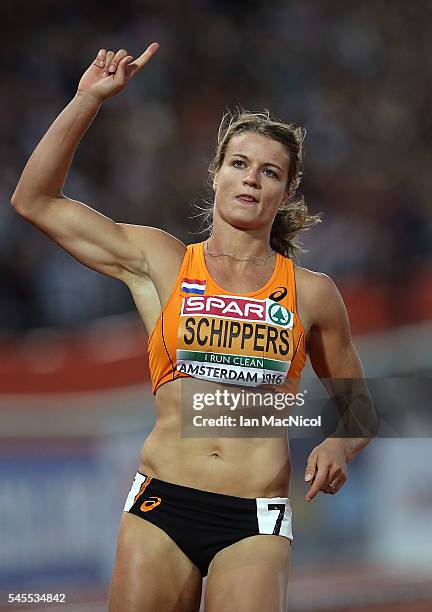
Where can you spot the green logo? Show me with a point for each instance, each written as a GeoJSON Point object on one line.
{"type": "Point", "coordinates": [279, 315]}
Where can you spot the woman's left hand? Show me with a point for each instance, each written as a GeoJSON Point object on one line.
{"type": "Point", "coordinates": [326, 468]}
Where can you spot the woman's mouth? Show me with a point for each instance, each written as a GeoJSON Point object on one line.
{"type": "Point", "coordinates": [244, 197]}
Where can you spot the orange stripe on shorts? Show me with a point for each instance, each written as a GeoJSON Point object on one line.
{"type": "Point", "coordinates": [143, 487]}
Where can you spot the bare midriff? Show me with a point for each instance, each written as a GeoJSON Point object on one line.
{"type": "Point", "coordinates": [243, 467]}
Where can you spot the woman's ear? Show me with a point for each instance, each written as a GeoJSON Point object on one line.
{"type": "Point", "coordinates": [285, 201]}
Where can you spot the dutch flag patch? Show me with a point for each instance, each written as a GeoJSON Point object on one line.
{"type": "Point", "coordinates": [192, 285]}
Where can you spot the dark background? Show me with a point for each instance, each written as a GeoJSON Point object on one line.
{"type": "Point", "coordinates": [74, 399]}
{"type": "Point", "coordinates": [356, 75]}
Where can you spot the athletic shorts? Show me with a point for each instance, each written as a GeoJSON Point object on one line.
{"type": "Point", "coordinates": [202, 523]}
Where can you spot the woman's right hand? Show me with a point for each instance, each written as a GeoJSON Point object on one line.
{"type": "Point", "coordinates": [110, 72]}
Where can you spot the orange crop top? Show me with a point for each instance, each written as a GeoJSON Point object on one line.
{"type": "Point", "coordinates": [253, 339]}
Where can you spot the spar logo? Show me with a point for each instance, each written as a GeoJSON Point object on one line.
{"type": "Point", "coordinates": [238, 308]}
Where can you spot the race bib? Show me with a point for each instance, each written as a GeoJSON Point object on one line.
{"type": "Point", "coordinates": [235, 340]}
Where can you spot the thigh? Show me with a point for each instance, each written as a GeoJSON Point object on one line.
{"type": "Point", "coordinates": [151, 573]}
{"type": "Point", "coordinates": [251, 575]}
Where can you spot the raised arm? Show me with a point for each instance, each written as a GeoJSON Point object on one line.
{"type": "Point", "coordinates": [115, 249]}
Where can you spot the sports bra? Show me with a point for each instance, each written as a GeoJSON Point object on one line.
{"type": "Point", "coordinates": [249, 339]}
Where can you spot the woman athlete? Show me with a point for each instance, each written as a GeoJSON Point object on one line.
{"type": "Point", "coordinates": [207, 506]}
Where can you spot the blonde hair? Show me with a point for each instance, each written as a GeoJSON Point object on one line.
{"type": "Point", "coordinates": [292, 217]}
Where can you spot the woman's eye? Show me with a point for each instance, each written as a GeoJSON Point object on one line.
{"type": "Point", "coordinates": [236, 162]}
{"type": "Point", "coordinates": [239, 163]}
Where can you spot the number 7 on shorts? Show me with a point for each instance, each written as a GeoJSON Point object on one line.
{"type": "Point", "coordinates": [281, 508]}
{"type": "Point", "coordinates": [274, 516]}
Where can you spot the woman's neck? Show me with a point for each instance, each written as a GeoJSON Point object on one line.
{"type": "Point", "coordinates": [228, 240]}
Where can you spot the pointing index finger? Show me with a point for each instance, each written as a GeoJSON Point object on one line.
{"type": "Point", "coordinates": [146, 56]}
{"type": "Point", "coordinates": [317, 484]}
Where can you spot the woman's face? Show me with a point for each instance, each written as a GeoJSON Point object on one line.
{"type": "Point", "coordinates": [254, 166]}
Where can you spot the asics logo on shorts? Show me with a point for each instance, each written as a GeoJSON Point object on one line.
{"type": "Point", "coordinates": [150, 503]}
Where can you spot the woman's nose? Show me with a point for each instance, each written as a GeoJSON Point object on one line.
{"type": "Point", "coordinates": [251, 178]}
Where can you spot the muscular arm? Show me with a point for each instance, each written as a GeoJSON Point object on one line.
{"type": "Point", "coordinates": [93, 239]}
{"type": "Point", "coordinates": [119, 250]}
{"type": "Point", "coordinates": [336, 362]}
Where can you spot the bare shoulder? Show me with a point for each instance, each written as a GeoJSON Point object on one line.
{"type": "Point", "coordinates": [329, 340]}
{"type": "Point", "coordinates": [317, 296]}
{"type": "Point", "coordinates": [314, 285]}
{"type": "Point", "coordinates": [163, 254]}
{"type": "Point", "coordinates": [149, 239]}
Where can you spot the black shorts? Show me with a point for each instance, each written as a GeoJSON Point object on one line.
{"type": "Point", "coordinates": [202, 523]}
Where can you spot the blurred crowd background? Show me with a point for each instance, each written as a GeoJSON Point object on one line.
{"type": "Point", "coordinates": [75, 404]}
{"type": "Point", "coordinates": [356, 75]}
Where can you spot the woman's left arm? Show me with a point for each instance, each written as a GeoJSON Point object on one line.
{"type": "Point", "coordinates": [335, 361]}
